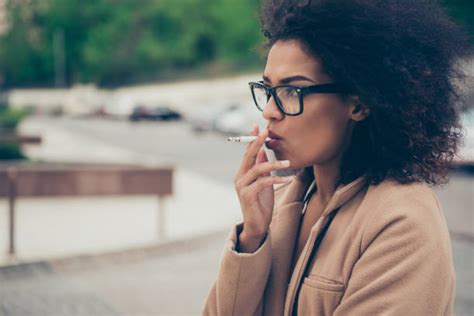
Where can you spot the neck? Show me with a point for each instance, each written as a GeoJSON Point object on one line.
{"type": "Point", "coordinates": [326, 180]}
{"type": "Point", "coordinates": [326, 175]}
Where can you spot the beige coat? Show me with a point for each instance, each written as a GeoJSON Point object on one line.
{"type": "Point", "coordinates": [387, 252]}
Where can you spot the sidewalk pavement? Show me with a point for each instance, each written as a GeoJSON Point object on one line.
{"type": "Point", "coordinates": [50, 228]}
{"type": "Point", "coordinates": [151, 281]}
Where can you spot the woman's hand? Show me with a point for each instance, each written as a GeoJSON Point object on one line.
{"type": "Point", "coordinates": [254, 186]}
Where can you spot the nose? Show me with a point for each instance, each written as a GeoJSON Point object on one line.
{"type": "Point", "coordinates": [271, 110]}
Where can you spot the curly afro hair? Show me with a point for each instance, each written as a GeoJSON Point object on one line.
{"type": "Point", "coordinates": [403, 59]}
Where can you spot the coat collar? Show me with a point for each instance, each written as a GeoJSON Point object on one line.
{"type": "Point", "coordinates": [343, 193]}
{"type": "Point", "coordinates": [301, 185]}
{"type": "Point", "coordinates": [284, 227]}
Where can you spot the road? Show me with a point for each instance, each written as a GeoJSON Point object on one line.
{"type": "Point", "coordinates": [172, 142]}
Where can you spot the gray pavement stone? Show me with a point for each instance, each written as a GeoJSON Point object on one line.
{"type": "Point", "coordinates": [172, 281]}
{"type": "Point", "coordinates": [34, 289]}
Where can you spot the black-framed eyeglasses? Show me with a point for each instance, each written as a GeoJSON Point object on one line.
{"type": "Point", "coordinates": [288, 98]}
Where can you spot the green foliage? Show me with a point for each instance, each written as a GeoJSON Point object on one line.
{"type": "Point", "coordinates": [462, 12]}
{"type": "Point", "coordinates": [10, 151]}
{"type": "Point", "coordinates": [10, 118]}
{"type": "Point", "coordinates": [113, 42]}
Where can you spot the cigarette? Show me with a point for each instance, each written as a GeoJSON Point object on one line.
{"type": "Point", "coordinates": [244, 139]}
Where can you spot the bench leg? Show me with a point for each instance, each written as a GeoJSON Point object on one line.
{"type": "Point", "coordinates": [161, 219]}
{"type": "Point", "coordinates": [11, 211]}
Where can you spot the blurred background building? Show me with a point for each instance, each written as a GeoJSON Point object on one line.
{"type": "Point", "coordinates": [97, 91]}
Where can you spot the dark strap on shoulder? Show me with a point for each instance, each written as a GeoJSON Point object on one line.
{"type": "Point", "coordinates": [317, 243]}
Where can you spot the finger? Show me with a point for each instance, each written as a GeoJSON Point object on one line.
{"type": "Point", "coordinates": [250, 155]}
{"type": "Point", "coordinates": [264, 182]}
{"type": "Point", "coordinates": [261, 158]}
{"type": "Point", "coordinates": [259, 171]}
{"type": "Point", "coordinates": [254, 132]}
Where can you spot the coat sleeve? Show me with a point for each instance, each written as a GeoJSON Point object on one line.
{"type": "Point", "coordinates": [241, 279]}
{"type": "Point", "coordinates": [405, 266]}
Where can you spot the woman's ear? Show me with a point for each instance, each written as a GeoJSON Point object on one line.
{"type": "Point", "coordinates": [359, 111]}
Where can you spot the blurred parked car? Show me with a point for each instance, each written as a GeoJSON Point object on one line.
{"type": "Point", "coordinates": [161, 113]}
{"type": "Point", "coordinates": [204, 118]}
{"type": "Point", "coordinates": [119, 106]}
{"type": "Point", "coordinates": [240, 120]}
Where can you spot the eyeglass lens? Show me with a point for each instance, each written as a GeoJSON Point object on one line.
{"type": "Point", "coordinates": [287, 96]}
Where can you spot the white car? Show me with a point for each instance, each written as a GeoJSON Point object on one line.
{"type": "Point", "coordinates": [205, 117]}
{"type": "Point", "coordinates": [240, 120]}
{"type": "Point", "coordinates": [120, 106]}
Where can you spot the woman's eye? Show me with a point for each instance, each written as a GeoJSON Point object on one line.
{"type": "Point", "coordinates": [290, 92]}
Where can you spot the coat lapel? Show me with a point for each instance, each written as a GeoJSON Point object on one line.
{"type": "Point", "coordinates": [342, 194]}
{"type": "Point", "coordinates": [284, 228]}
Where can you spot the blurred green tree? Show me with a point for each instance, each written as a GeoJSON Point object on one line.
{"type": "Point", "coordinates": [114, 42]}
{"type": "Point", "coordinates": [463, 12]}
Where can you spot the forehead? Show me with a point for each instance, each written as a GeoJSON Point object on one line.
{"type": "Point", "coordinates": [288, 58]}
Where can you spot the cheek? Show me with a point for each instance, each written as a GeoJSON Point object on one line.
{"type": "Point", "coordinates": [321, 135]}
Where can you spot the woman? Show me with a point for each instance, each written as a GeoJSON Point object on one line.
{"type": "Point", "coordinates": [359, 97]}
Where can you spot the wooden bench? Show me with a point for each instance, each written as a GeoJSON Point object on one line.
{"type": "Point", "coordinates": [26, 179]}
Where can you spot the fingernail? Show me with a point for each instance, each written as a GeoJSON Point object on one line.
{"type": "Point", "coordinates": [262, 131]}
{"type": "Point", "coordinates": [285, 163]}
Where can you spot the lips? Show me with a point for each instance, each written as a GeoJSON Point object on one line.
{"type": "Point", "coordinates": [275, 141]}
{"type": "Point", "coordinates": [273, 135]}
{"type": "Point", "coordinates": [273, 144]}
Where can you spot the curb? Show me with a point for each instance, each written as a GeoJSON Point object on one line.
{"type": "Point", "coordinates": [72, 263]}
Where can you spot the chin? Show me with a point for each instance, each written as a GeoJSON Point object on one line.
{"type": "Point", "coordinates": [281, 156]}
{"type": "Point", "coordinates": [294, 163]}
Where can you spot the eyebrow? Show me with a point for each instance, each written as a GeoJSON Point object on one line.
{"type": "Point", "coordinates": [289, 79]}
